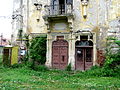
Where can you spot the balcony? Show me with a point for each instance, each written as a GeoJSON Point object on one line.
{"type": "Point", "coordinates": [62, 13]}
{"type": "Point", "coordinates": [61, 10]}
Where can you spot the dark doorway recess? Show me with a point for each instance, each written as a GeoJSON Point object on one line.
{"type": "Point", "coordinates": [83, 55]}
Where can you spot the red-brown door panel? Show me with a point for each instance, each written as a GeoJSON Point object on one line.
{"type": "Point", "coordinates": [60, 54]}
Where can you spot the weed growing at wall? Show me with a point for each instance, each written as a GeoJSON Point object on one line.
{"type": "Point", "coordinates": [112, 62]}
{"type": "Point", "coordinates": [69, 68]}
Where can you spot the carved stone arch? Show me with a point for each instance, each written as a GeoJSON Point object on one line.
{"type": "Point", "coordinates": [90, 40]}
{"type": "Point", "coordinates": [84, 43]}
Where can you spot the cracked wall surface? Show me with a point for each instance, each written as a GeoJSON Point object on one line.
{"type": "Point", "coordinates": [103, 19]}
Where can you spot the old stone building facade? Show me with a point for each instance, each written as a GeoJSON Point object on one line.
{"type": "Point", "coordinates": [76, 29]}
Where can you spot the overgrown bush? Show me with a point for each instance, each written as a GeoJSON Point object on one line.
{"type": "Point", "coordinates": [27, 44]}
{"type": "Point", "coordinates": [69, 68]}
{"type": "Point", "coordinates": [40, 68]}
{"type": "Point", "coordinates": [37, 51]}
{"type": "Point", "coordinates": [99, 72]}
{"type": "Point", "coordinates": [17, 65]}
{"type": "Point", "coordinates": [0, 59]}
{"type": "Point", "coordinates": [112, 62]}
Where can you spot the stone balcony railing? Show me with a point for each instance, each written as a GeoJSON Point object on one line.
{"type": "Point", "coordinates": [62, 9]}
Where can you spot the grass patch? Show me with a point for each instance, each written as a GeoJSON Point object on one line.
{"type": "Point", "coordinates": [25, 78]}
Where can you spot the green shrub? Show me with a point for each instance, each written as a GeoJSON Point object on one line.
{"type": "Point", "coordinates": [94, 67]}
{"type": "Point", "coordinates": [29, 64]}
{"type": "Point", "coordinates": [40, 68]}
{"type": "Point", "coordinates": [38, 51]}
{"type": "Point", "coordinates": [69, 68]}
{"type": "Point", "coordinates": [0, 59]}
{"type": "Point", "coordinates": [112, 62]}
{"type": "Point", "coordinates": [17, 65]}
{"type": "Point", "coordinates": [94, 71]}
{"type": "Point", "coordinates": [111, 66]}
{"type": "Point", "coordinates": [101, 72]}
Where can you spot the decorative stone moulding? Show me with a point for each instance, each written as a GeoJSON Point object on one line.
{"type": "Point", "coordinates": [84, 6]}
{"type": "Point", "coordinates": [84, 2]}
{"type": "Point", "coordinates": [38, 6]}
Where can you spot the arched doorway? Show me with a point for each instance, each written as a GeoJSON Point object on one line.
{"type": "Point", "coordinates": [59, 54]}
{"type": "Point", "coordinates": [83, 55]}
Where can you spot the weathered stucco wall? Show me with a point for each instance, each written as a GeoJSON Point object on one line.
{"type": "Point", "coordinates": [36, 22]}
{"type": "Point", "coordinates": [19, 19]}
{"type": "Point", "coordinates": [99, 14]}
{"type": "Point", "coordinates": [114, 18]}
{"type": "Point", "coordinates": [103, 20]}
{"type": "Point", "coordinates": [114, 9]}
{"type": "Point", "coordinates": [91, 20]}
{"type": "Point", "coordinates": [79, 22]}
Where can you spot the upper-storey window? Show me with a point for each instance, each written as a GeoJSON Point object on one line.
{"type": "Point", "coordinates": [85, 0]}
{"type": "Point", "coordinates": [55, 2]}
{"type": "Point", "coordinates": [59, 7]}
{"type": "Point", "coordinates": [69, 1]}
{"type": "Point", "coordinates": [59, 2]}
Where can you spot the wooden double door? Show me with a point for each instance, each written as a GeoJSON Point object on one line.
{"type": "Point", "coordinates": [83, 58]}
{"type": "Point", "coordinates": [60, 54]}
